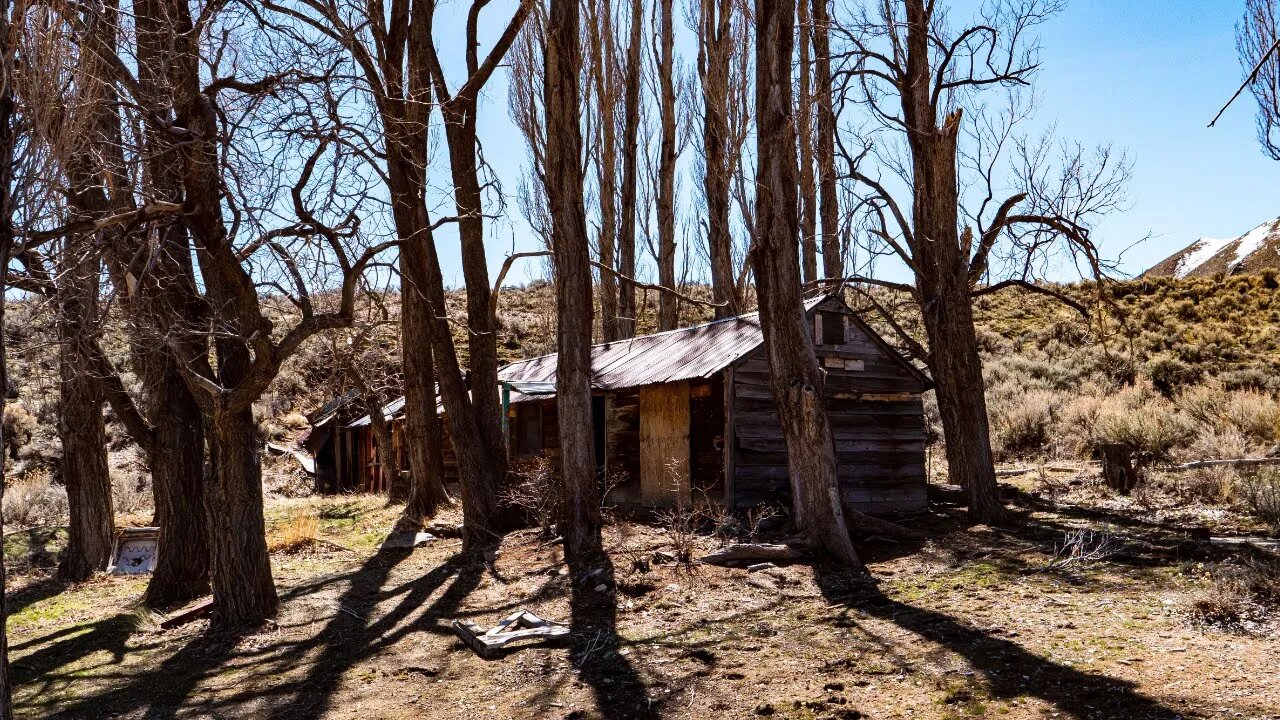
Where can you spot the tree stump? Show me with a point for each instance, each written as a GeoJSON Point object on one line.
{"type": "Point", "coordinates": [1117, 467]}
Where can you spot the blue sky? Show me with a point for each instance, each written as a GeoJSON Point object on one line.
{"type": "Point", "coordinates": [1145, 76]}
{"type": "Point", "coordinates": [1148, 76]}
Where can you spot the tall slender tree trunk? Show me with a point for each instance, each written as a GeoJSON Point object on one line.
{"type": "Point", "coordinates": [630, 174]}
{"type": "Point", "coordinates": [804, 129]}
{"type": "Point", "coordinates": [714, 52]}
{"type": "Point", "coordinates": [824, 93]}
{"type": "Point", "coordinates": [422, 436]}
{"type": "Point", "coordinates": [6, 241]}
{"type": "Point", "coordinates": [942, 278]}
{"type": "Point", "coordinates": [580, 516]}
{"type": "Point", "coordinates": [667, 303]}
{"type": "Point", "coordinates": [795, 377]}
{"type": "Point", "coordinates": [482, 337]}
{"type": "Point", "coordinates": [603, 78]}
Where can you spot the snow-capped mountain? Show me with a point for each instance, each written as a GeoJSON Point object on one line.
{"type": "Point", "coordinates": [1256, 250]}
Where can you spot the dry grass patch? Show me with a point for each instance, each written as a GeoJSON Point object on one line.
{"type": "Point", "coordinates": [297, 533]}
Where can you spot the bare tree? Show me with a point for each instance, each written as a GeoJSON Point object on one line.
{"type": "Point", "coordinates": [604, 68]}
{"type": "Point", "coordinates": [723, 44]}
{"type": "Point", "coordinates": [665, 68]}
{"type": "Point", "coordinates": [627, 215]}
{"type": "Point", "coordinates": [804, 131]}
{"type": "Point", "coordinates": [8, 167]}
{"type": "Point", "coordinates": [794, 373]}
{"type": "Point", "coordinates": [824, 103]}
{"type": "Point", "coordinates": [1257, 37]}
{"type": "Point", "coordinates": [919, 186]}
{"type": "Point", "coordinates": [580, 516]}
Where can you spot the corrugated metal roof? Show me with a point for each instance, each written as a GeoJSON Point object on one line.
{"type": "Point", "coordinates": [688, 353]}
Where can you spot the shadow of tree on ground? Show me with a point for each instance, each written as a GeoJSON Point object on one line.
{"type": "Point", "coordinates": [1009, 669]}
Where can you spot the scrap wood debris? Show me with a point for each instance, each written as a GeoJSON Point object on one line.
{"type": "Point", "coordinates": [519, 625]}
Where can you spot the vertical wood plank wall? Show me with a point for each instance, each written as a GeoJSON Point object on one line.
{"type": "Point", "coordinates": [664, 443]}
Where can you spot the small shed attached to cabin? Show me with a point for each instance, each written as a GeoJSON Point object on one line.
{"type": "Point", "coordinates": [690, 411]}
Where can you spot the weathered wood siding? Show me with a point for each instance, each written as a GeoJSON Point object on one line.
{"type": "Point", "coordinates": [877, 418]}
{"type": "Point", "coordinates": [664, 443]}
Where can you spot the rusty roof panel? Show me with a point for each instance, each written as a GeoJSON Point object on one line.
{"type": "Point", "coordinates": [686, 354]}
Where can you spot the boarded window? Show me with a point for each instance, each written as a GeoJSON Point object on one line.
{"type": "Point", "coordinates": [830, 328]}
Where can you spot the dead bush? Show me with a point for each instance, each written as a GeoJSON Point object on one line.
{"type": "Point", "coordinates": [1260, 493]}
{"type": "Point", "coordinates": [297, 533]}
{"type": "Point", "coordinates": [535, 490]}
{"type": "Point", "coordinates": [680, 520]}
{"type": "Point", "coordinates": [19, 428]}
{"type": "Point", "coordinates": [34, 500]}
{"type": "Point", "coordinates": [1239, 596]}
{"type": "Point", "coordinates": [131, 492]}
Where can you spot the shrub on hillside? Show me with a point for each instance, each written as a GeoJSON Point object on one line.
{"type": "Point", "coordinates": [34, 500]}
{"type": "Point", "coordinates": [19, 427]}
{"type": "Point", "coordinates": [1260, 493]}
{"type": "Point", "coordinates": [1142, 420]}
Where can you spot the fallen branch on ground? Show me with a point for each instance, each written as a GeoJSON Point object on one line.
{"type": "Point", "coordinates": [753, 553]}
{"type": "Point", "coordinates": [1238, 462]}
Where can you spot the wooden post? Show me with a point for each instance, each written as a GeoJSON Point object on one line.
{"type": "Point", "coordinates": [664, 444]}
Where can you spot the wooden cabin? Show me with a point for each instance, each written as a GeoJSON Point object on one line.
{"type": "Point", "coordinates": [689, 413]}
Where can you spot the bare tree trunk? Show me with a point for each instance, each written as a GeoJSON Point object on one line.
{"type": "Point", "coordinates": [942, 279]}
{"type": "Point", "coordinates": [794, 373]}
{"type": "Point", "coordinates": [80, 423]}
{"type": "Point", "coordinates": [6, 247]}
{"type": "Point", "coordinates": [604, 79]}
{"type": "Point", "coordinates": [181, 573]}
{"type": "Point", "coordinates": [422, 437]}
{"type": "Point", "coordinates": [243, 589]}
{"type": "Point", "coordinates": [6, 241]}
{"type": "Point", "coordinates": [387, 459]}
{"type": "Point", "coordinates": [832, 253]}
{"type": "Point", "coordinates": [242, 586]}
{"type": "Point", "coordinates": [630, 175]}
{"type": "Point", "coordinates": [667, 303]}
{"type": "Point", "coordinates": [580, 517]}
{"type": "Point", "coordinates": [804, 128]}
{"type": "Point", "coordinates": [714, 52]}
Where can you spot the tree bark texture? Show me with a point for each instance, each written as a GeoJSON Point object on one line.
{"type": "Point", "coordinates": [794, 373]}
{"type": "Point", "coordinates": [243, 589]}
{"type": "Point", "coordinates": [714, 53]}
{"type": "Point", "coordinates": [177, 447]}
{"type": "Point", "coordinates": [6, 246]}
{"type": "Point", "coordinates": [824, 93]}
{"type": "Point", "coordinates": [604, 80]}
{"type": "Point", "coordinates": [804, 130]}
{"type": "Point", "coordinates": [630, 175]}
{"type": "Point", "coordinates": [181, 573]}
{"type": "Point", "coordinates": [942, 278]}
{"type": "Point", "coordinates": [668, 305]}
{"type": "Point", "coordinates": [580, 516]}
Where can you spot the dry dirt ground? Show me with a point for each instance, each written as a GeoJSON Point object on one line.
{"type": "Point", "coordinates": [969, 623]}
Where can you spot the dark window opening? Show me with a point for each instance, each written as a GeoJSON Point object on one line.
{"type": "Point", "coordinates": [832, 328]}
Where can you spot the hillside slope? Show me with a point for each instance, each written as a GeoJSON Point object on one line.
{"type": "Point", "coordinates": [1256, 250]}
